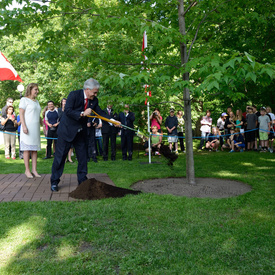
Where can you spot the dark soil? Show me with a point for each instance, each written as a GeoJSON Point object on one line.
{"type": "Point", "coordinates": [204, 187]}
{"type": "Point", "coordinates": [165, 151]}
{"type": "Point", "coordinates": [92, 189]}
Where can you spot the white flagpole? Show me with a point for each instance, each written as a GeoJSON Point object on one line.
{"type": "Point", "coordinates": [149, 140]}
{"type": "Point", "coordinates": [144, 46]}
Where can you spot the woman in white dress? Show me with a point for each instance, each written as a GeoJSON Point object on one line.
{"type": "Point", "coordinates": [29, 110]}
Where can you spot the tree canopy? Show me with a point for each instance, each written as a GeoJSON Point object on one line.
{"type": "Point", "coordinates": [230, 48]}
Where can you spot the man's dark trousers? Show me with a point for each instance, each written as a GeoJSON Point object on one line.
{"type": "Point", "coordinates": [51, 137]}
{"type": "Point", "coordinates": [106, 136]}
{"type": "Point", "coordinates": [61, 152]}
{"type": "Point", "coordinates": [127, 143]}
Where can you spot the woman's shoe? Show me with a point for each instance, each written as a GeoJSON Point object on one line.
{"type": "Point", "coordinates": [29, 176]}
{"type": "Point", "coordinates": [36, 175]}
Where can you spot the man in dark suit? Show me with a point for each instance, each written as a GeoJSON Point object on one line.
{"type": "Point", "coordinates": [109, 132]}
{"type": "Point", "coordinates": [72, 130]}
{"type": "Point", "coordinates": [127, 136]}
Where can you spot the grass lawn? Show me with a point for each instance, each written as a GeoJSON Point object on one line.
{"type": "Point", "coordinates": [148, 233]}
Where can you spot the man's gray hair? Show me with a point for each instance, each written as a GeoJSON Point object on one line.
{"type": "Point", "coordinates": [91, 84]}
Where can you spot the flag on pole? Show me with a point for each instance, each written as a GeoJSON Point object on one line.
{"type": "Point", "coordinates": [7, 72]}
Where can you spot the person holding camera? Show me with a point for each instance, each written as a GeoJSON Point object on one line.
{"type": "Point", "coordinates": [52, 120]}
{"type": "Point", "coordinates": [10, 124]}
{"type": "Point", "coordinates": [156, 119]}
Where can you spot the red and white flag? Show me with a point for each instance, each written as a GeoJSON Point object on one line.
{"type": "Point", "coordinates": [7, 72]}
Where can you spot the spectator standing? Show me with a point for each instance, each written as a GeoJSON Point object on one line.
{"type": "Point", "coordinates": [231, 121]}
{"type": "Point", "coordinates": [264, 129]}
{"type": "Point", "coordinates": [127, 118]}
{"type": "Point", "coordinates": [10, 123]}
{"type": "Point", "coordinates": [91, 126]}
{"type": "Point", "coordinates": [60, 113]}
{"type": "Point", "coordinates": [29, 110]}
{"type": "Point", "coordinates": [18, 130]}
{"type": "Point", "coordinates": [180, 118]}
{"type": "Point", "coordinates": [156, 119]}
{"type": "Point", "coordinates": [255, 111]}
{"type": "Point", "coordinates": [98, 138]}
{"type": "Point", "coordinates": [206, 124]}
{"type": "Point", "coordinates": [227, 129]}
{"type": "Point", "coordinates": [109, 133]}
{"type": "Point", "coordinates": [9, 102]}
{"type": "Point", "coordinates": [220, 125]}
{"type": "Point", "coordinates": [252, 121]}
{"type": "Point", "coordinates": [171, 124]}
{"type": "Point", "coordinates": [240, 121]}
{"type": "Point", "coordinates": [45, 126]}
{"type": "Point", "coordinates": [271, 135]}
{"type": "Point", "coordinates": [52, 120]}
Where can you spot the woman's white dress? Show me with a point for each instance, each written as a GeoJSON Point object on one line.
{"type": "Point", "coordinates": [30, 141]}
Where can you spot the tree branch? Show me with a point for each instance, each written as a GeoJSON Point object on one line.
{"type": "Point", "coordinates": [193, 4]}
{"type": "Point", "coordinates": [202, 21]}
{"type": "Point", "coordinates": [140, 64]}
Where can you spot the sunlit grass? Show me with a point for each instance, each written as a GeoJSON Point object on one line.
{"type": "Point", "coordinates": [148, 233]}
{"type": "Point", "coordinates": [16, 238]}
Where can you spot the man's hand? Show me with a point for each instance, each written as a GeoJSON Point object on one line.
{"type": "Point", "coordinates": [87, 112]}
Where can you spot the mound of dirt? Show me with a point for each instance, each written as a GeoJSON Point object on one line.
{"type": "Point", "coordinates": [92, 189]}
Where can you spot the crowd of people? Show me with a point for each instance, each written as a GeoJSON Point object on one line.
{"type": "Point", "coordinates": [239, 131]}
{"type": "Point", "coordinates": [72, 127]}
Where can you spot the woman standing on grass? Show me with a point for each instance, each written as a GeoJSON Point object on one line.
{"type": "Point", "coordinates": [10, 123]}
{"type": "Point", "coordinates": [29, 110]}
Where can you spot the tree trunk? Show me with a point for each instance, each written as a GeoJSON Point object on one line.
{"type": "Point", "coordinates": [190, 169]}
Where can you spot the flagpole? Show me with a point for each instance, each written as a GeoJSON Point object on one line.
{"type": "Point", "coordinates": [149, 140]}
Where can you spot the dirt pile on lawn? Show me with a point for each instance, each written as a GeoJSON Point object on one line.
{"type": "Point", "coordinates": [166, 152]}
{"type": "Point", "coordinates": [92, 189]}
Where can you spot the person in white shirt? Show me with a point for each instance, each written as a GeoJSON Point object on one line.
{"type": "Point", "coordinates": [206, 124]}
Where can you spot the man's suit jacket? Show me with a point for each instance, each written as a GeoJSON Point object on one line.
{"type": "Point", "coordinates": [106, 127]}
{"type": "Point", "coordinates": [128, 121]}
{"type": "Point", "coordinates": [71, 121]}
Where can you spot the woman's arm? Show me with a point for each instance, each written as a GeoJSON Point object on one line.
{"type": "Point", "coordinates": [22, 119]}
{"type": "Point", "coordinates": [159, 120]}
{"type": "Point", "coordinates": [4, 121]}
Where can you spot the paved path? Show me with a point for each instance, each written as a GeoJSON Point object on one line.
{"type": "Point", "coordinates": [17, 187]}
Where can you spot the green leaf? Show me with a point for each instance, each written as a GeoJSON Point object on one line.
{"type": "Point", "coordinates": [252, 76]}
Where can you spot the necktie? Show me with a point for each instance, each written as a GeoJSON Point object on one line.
{"type": "Point", "coordinates": [86, 104]}
{"type": "Point", "coordinates": [109, 112]}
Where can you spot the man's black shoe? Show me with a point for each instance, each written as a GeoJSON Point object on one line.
{"type": "Point", "coordinates": [54, 188]}
{"type": "Point", "coordinates": [47, 157]}
{"type": "Point", "coordinates": [95, 160]}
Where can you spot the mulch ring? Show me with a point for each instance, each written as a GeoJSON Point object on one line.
{"type": "Point", "coordinates": [204, 187]}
